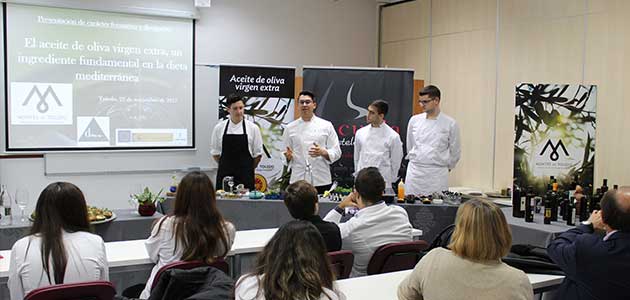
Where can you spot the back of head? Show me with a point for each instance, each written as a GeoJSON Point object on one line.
{"type": "Point", "coordinates": [481, 232]}
{"type": "Point", "coordinates": [432, 91]}
{"type": "Point", "coordinates": [381, 106]}
{"type": "Point", "coordinates": [370, 185]}
{"type": "Point", "coordinates": [199, 226]}
{"type": "Point", "coordinates": [294, 264]}
{"type": "Point", "coordinates": [616, 209]}
{"type": "Point", "coordinates": [300, 198]}
{"type": "Point", "coordinates": [60, 207]}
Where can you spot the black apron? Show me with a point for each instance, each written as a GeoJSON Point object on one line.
{"type": "Point", "coordinates": [235, 159]}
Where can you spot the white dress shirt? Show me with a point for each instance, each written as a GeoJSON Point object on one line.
{"type": "Point", "coordinates": [378, 147]}
{"type": "Point", "coordinates": [254, 138]}
{"type": "Point", "coordinates": [300, 135]}
{"type": "Point", "coordinates": [87, 261]}
{"type": "Point", "coordinates": [247, 287]}
{"type": "Point", "coordinates": [370, 228]}
{"type": "Point", "coordinates": [433, 148]}
{"type": "Point", "coordinates": [161, 248]}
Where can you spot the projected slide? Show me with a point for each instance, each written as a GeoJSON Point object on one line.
{"type": "Point", "coordinates": [79, 79]}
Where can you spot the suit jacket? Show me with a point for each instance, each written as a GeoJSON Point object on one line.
{"type": "Point", "coordinates": [329, 231]}
{"type": "Point", "coordinates": [595, 269]}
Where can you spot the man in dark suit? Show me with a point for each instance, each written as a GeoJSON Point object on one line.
{"type": "Point", "coordinates": [597, 266]}
{"type": "Point", "coordinates": [301, 199]}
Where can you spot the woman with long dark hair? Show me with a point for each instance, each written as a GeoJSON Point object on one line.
{"type": "Point", "coordinates": [292, 266]}
{"type": "Point", "coordinates": [195, 231]}
{"type": "Point", "coordinates": [59, 248]}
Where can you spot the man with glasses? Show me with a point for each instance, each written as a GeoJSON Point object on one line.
{"type": "Point", "coordinates": [311, 145]}
{"type": "Point", "coordinates": [433, 146]}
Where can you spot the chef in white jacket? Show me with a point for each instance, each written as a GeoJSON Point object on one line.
{"type": "Point", "coordinates": [378, 145]}
{"type": "Point", "coordinates": [311, 145]}
{"type": "Point", "coordinates": [433, 146]}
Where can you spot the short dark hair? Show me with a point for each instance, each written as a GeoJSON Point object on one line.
{"type": "Point", "coordinates": [613, 214]}
{"type": "Point", "coordinates": [370, 184]}
{"type": "Point", "coordinates": [432, 91]}
{"type": "Point", "coordinates": [381, 106]}
{"type": "Point", "coordinates": [233, 98]}
{"type": "Point", "coordinates": [307, 93]}
{"type": "Point", "coordinates": [300, 198]}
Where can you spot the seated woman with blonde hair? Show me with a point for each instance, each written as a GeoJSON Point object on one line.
{"type": "Point", "coordinates": [472, 268]}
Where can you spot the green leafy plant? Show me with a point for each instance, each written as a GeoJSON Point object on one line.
{"type": "Point", "coordinates": [147, 197]}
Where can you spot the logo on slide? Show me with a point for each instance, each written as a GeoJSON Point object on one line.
{"type": "Point", "coordinates": [31, 106]}
{"type": "Point", "coordinates": [42, 105]}
{"type": "Point", "coordinates": [93, 131]}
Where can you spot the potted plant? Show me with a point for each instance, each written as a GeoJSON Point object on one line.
{"type": "Point", "coordinates": [146, 201]}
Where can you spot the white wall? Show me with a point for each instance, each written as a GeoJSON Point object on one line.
{"type": "Point", "coordinates": [264, 32]}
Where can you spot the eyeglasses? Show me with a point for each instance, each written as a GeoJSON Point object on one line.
{"type": "Point", "coordinates": [425, 102]}
{"type": "Point", "coordinates": [305, 102]}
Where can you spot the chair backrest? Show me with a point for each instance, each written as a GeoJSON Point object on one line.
{"type": "Point", "coordinates": [396, 257]}
{"type": "Point", "coordinates": [93, 290]}
{"type": "Point", "coordinates": [218, 263]}
{"type": "Point", "coordinates": [341, 263]}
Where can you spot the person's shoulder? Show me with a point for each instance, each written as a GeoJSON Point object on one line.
{"type": "Point", "coordinates": [447, 118]}
{"type": "Point", "coordinates": [323, 121]}
{"type": "Point", "coordinates": [246, 286]}
{"type": "Point", "coordinates": [89, 237]}
{"type": "Point", "coordinates": [362, 130]}
{"type": "Point", "coordinates": [293, 123]}
{"type": "Point", "coordinates": [512, 273]}
{"type": "Point", "coordinates": [22, 243]}
{"type": "Point", "coordinates": [229, 227]}
{"type": "Point", "coordinates": [249, 123]}
{"type": "Point", "coordinates": [416, 118]}
{"type": "Point", "coordinates": [219, 125]}
{"type": "Point", "coordinates": [397, 208]}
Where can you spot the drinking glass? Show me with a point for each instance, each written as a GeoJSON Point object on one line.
{"type": "Point", "coordinates": [21, 199]}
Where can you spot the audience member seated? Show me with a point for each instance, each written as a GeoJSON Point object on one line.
{"type": "Point", "coordinates": [292, 266]}
{"type": "Point", "coordinates": [596, 254]}
{"type": "Point", "coordinates": [301, 199]}
{"type": "Point", "coordinates": [374, 225]}
{"type": "Point", "coordinates": [195, 231]}
{"type": "Point", "coordinates": [472, 268]}
{"type": "Point", "coordinates": [59, 248]}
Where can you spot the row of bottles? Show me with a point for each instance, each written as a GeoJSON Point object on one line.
{"type": "Point", "coordinates": [573, 205]}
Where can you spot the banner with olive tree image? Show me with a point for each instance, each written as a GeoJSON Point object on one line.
{"type": "Point", "coordinates": [269, 103]}
{"type": "Point", "coordinates": [554, 134]}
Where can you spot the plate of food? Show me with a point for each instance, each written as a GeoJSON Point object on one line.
{"type": "Point", "coordinates": [95, 215]}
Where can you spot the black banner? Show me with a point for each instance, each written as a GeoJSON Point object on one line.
{"type": "Point", "coordinates": [343, 96]}
{"type": "Point", "coordinates": [253, 81]}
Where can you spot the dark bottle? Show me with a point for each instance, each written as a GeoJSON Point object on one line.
{"type": "Point", "coordinates": [571, 212]}
{"type": "Point", "coordinates": [529, 205]}
{"type": "Point", "coordinates": [547, 204]}
{"type": "Point", "coordinates": [578, 208]}
{"type": "Point", "coordinates": [596, 199]}
{"type": "Point", "coordinates": [517, 209]}
{"type": "Point", "coordinates": [564, 205]}
{"type": "Point", "coordinates": [615, 187]}
{"type": "Point", "coordinates": [554, 201]}
{"type": "Point", "coordinates": [604, 187]}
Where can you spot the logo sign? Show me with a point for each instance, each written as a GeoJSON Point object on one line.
{"type": "Point", "coordinates": [93, 131]}
{"type": "Point", "coordinates": [554, 150]}
{"type": "Point", "coordinates": [41, 103]}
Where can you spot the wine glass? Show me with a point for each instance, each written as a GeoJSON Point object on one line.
{"type": "Point", "coordinates": [21, 199]}
{"type": "Point", "coordinates": [231, 183]}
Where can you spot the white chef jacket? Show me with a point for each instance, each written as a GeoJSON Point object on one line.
{"type": "Point", "coordinates": [433, 149]}
{"type": "Point", "coordinates": [300, 135]}
{"type": "Point", "coordinates": [378, 147]}
{"type": "Point", "coordinates": [254, 138]}
{"type": "Point", "coordinates": [87, 261]}
{"type": "Point", "coordinates": [370, 228]}
{"type": "Point", "coordinates": [161, 248]}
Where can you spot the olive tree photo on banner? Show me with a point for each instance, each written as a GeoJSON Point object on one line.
{"type": "Point", "coordinates": [554, 134]}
